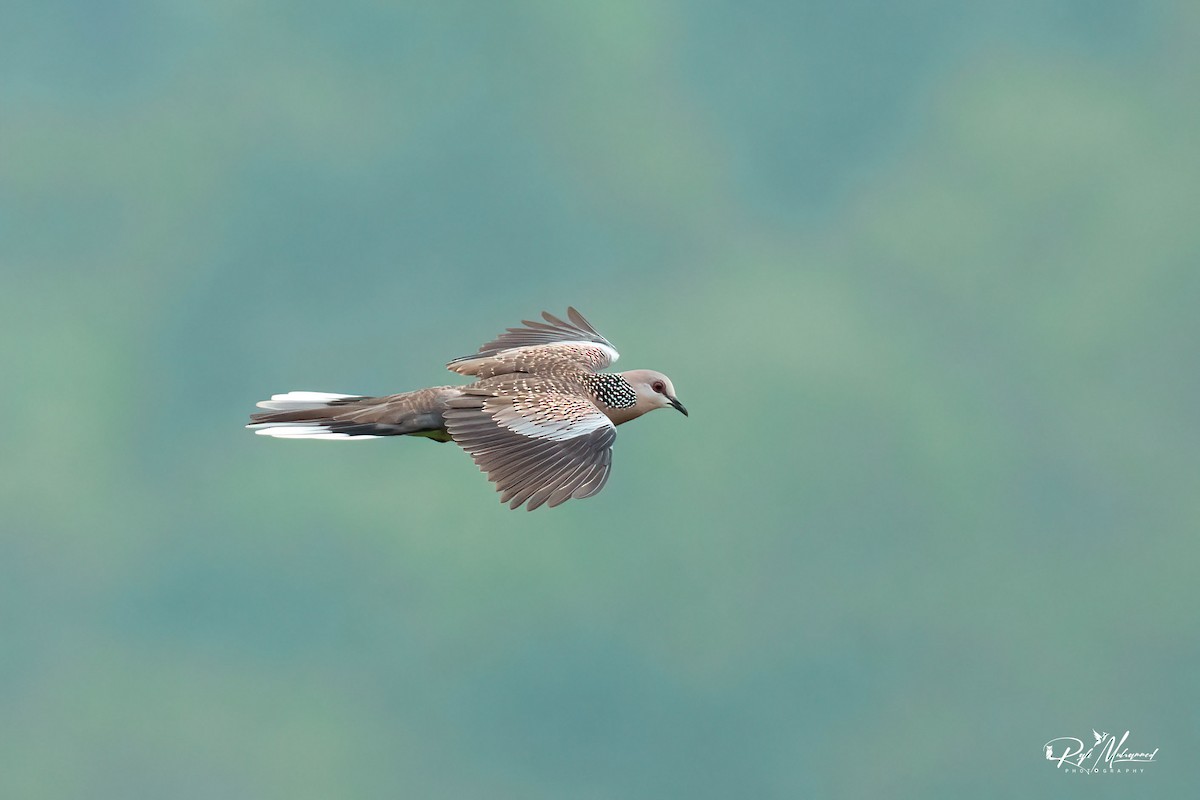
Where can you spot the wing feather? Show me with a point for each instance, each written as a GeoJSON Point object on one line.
{"type": "Point", "coordinates": [539, 446]}
{"type": "Point", "coordinates": [540, 347]}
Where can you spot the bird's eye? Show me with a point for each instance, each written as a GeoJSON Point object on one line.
{"type": "Point", "coordinates": [658, 386]}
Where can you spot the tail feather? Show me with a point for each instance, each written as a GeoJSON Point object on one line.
{"type": "Point", "coordinates": [322, 415]}
{"type": "Point", "coordinates": [300, 430]}
{"type": "Point", "coordinates": [296, 401]}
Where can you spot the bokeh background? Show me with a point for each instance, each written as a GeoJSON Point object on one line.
{"type": "Point", "coordinates": [925, 274]}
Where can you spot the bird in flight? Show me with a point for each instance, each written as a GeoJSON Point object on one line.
{"type": "Point", "coordinates": [540, 418]}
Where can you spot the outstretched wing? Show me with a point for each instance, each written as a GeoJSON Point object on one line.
{"type": "Point", "coordinates": [540, 344]}
{"type": "Point", "coordinates": [537, 447]}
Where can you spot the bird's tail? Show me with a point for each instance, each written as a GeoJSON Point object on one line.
{"type": "Point", "coordinates": [321, 415]}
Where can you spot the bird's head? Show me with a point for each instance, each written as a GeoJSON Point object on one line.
{"type": "Point", "coordinates": [654, 390]}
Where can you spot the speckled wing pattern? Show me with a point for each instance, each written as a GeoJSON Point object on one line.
{"type": "Point", "coordinates": [537, 438]}
{"type": "Point", "coordinates": [541, 347]}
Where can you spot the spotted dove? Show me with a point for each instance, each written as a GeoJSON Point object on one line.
{"type": "Point", "coordinates": [540, 418]}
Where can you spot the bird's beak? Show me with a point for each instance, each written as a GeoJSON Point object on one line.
{"type": "Point", "coordinates": [678, 406]}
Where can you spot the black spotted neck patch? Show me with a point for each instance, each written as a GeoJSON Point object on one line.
{"type": "Point", "coordinates": [611, 390]}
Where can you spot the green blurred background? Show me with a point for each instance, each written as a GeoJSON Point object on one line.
{"type": "Point", "coordinates": [925, 274]}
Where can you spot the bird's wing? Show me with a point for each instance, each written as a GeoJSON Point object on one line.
{"type": "Point", "coordinates": [540, 344]}
{"type": "Point", "coordinates": [536, 446]}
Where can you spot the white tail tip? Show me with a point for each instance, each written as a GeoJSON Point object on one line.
{"type": "Point", "coordinates": [301, 430]}
{"type": "Point", "coordinates": [298, 401]}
